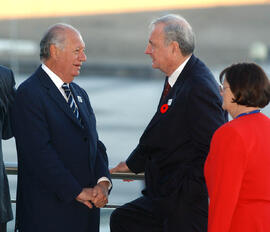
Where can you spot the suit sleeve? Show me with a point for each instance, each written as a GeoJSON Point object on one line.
{"type": "Point", "coordinates": [36, 154]}
{"type": "Point", "coordinates": [136, 160]}
{"type": "Point", "coordinates": [9, 92]}
{"type": "Point", "coordinates": [224, 171]}
{"type": "Point", "coordinates": [102, 162]}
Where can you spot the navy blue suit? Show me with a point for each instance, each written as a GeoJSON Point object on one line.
{"type": "Point", "coordinates": [7, 93]}
{"type": "Point", "coordinates": [172, 152]}
{"type": "Point", "coordinates": [57, 157]}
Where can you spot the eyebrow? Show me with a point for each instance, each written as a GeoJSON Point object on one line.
{"type": "Point", "coordinates": [79, 48]}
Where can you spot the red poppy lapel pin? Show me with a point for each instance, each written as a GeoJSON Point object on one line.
{"type": "Point", "coordinates": [164, 108]}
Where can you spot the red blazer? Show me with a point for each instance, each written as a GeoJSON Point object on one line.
{"type": "Point", "coordinates": [237, 173]}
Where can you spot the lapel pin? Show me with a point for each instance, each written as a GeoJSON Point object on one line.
{"type": "Point", "coordinates": [164, 108]}
{"type": "Point", "coordinates": [79, 99]}
{"type": "Point", "coordinates": [169, 102]}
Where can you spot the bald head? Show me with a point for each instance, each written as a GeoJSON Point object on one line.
{"type": "Point", "coordinates": [55, 35]}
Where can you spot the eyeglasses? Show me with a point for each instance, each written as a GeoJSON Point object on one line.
{"type": "Point", "coordinates": [222, 88]}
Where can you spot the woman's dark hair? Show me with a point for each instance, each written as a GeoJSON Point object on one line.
{"type": "Point", "coordinates": [248, 83]}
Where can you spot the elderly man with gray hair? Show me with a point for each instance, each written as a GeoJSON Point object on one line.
{"type": "Point", "coordinates": [63, 176]}
{"type": "Point", "coordinates": [174, 146]}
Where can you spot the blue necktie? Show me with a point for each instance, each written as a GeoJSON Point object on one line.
{"type": "Point", "coordinates": [71, 101]}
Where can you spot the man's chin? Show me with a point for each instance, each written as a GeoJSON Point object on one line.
{"type": "Point", "coordinates": [77, 73]}
{"type": "Point", "coordinates": [154, 66]}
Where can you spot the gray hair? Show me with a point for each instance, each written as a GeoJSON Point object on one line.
{"type": "Point", "coordinates": [177, 29]}
{"type": "Point", "coordinates": [55, 35]}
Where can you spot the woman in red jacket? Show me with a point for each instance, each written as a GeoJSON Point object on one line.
{"type": "Point", "coordinates": [237, 169]}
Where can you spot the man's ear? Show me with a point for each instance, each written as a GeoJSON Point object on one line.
{"type": "Point", "coordinates": [54, 51]}
{"type": "Point", "coordinates": [175, 47]}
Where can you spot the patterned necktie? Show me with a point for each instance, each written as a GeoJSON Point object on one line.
{"type": "Point", "coordinates": [71, 101]}
{"type": "Point", "coordinates": [166, 90]}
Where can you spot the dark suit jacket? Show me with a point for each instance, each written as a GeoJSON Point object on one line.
{"type": "Point", "coordinates": [7, 92]}
{"type": "Point", "coordinates": [57, 157]}
{"type": "Point", "coordinates": [174, 146]}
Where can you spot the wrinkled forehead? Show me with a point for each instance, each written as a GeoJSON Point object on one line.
{"type": "Point", "coordinates": [157, 27]}
{"type": "Point", "coordinates": [74, 37]}
{"type": "Point", "coordinates": [157, 31]}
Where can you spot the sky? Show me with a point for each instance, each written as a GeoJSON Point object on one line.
{"type": "Point", "coordinates": [44, 8]}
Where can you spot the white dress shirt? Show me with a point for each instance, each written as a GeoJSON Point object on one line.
{"type": "Point", "coordinates": [58, 83]}
{"type": "Point", "coordinates": [173, 78]}
{"type": "Point", "coordinates": [56, 80]}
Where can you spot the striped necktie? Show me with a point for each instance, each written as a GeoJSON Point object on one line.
{"type": "Point", "coordinates": [71, 101]}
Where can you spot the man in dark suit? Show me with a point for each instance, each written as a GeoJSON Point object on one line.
{"type": "Point", "coordinates": [63, 176]}
{"type": "Point", "coordinates": [174, 146]}
{"type": "Point", "coordinates": [7, 92]}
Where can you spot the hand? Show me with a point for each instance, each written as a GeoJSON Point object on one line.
{"type": "Point", "coordinates": [100, 194]}
{"type": "Point", "coordinates": [86, 195]}
{"type": "Point", "coordinates": [121, 167]}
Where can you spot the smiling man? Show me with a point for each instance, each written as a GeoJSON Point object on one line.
{"type": "Point", "coordinates": [63, 176]}
{"type": "Point", "coordinates": [174, 146]}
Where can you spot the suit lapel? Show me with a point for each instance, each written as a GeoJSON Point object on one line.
{"type": "Point", "coordinates": [173, 92]}
{"type": "Point", "coordinates": [55, 95]}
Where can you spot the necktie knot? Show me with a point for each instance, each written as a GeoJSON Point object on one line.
{"type": "Point", "coordinates": [66, 88]}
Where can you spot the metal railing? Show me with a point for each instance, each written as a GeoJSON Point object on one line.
{"type": "Point", "coordinates": [12, 169]}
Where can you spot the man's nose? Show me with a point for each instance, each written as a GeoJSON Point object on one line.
{"type": "Point", "coordinates": [83, 57]}
{"type": "Point", "coordinates": [147, 50]}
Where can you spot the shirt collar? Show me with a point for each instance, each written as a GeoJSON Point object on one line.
{"type": "Point", "coordinates": [173, 78]}
{"type": "Point", "coordinates": [55, 79]}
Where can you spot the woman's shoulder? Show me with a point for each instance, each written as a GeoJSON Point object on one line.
{"type": "Point", "coordinates": [243, 125]}
{"type": "Point", "coordinates": [230, 128]}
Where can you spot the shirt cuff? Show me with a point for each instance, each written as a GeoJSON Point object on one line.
{"type": "Point", "coordinates": [105, 179]}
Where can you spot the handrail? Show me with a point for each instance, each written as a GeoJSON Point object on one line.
{"type": "Point", "coordinates": [12, 169]}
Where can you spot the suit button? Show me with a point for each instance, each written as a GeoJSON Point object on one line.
{"type": "Point", "coordinates": [85, 139]}
{"type": "Point", "coordinates": [149, 157]}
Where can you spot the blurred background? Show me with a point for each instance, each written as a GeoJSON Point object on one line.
{"type": "Point", "coordinates": [123, 88]}
{"type": "Point", "coordinates": [116, 32]}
